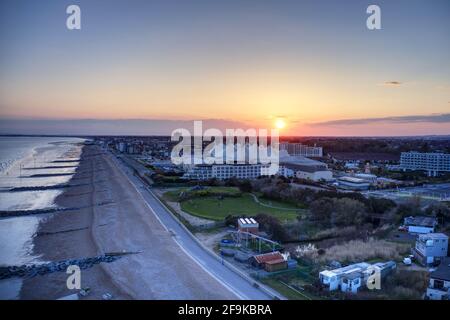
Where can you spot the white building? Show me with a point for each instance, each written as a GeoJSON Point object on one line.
{"type": "Point", "coordinates": [433, 163]}
{"type": "Point", "coordinates": [439, 287]}
{"type": "Point", "coordinates": [303, 168]}
{"type": "Point", "coordinates": [420, 224]}
{"type": "Point", "coordinates": [225, 171]}
{"type": "Point", "coordinates": [371, 178]}
{"type": "Point", "coordinates": [314, 172]}
{"type": "Point", "coordinates": [431, 247]}
{"type": "Point", "coordinates": [352, 183]}
{"type": "Point", "coordinates": [352, 277]}
{"type": "Point", "coordinates": [240, 171]}
{"type": "Point", "coordinates": [199, 172]}
{"type": "Point", "coordinates": [298, 149]}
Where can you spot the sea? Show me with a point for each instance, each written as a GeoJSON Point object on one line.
{"type": "Point", "coordinates": [29, 162]}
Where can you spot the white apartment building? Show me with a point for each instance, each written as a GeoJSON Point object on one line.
{"type": "Point", "coordinates": [225, 171]}
{"type": "Point", "coordinates": [433, 163]}
{"type": "Point", "coordinates": [298, 149]}
{"type": "Point", "coordinates": [240, 171]}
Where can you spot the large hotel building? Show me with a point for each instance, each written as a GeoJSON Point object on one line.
{"type": "Point", "coordinates": [433, 163]}
{"type": "Point", "coordinates": [298, 149]}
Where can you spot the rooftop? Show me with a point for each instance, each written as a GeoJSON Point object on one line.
{"type": "Point", "coordinates": [443, 271]}
{"type": "Point", "coordinates": [266, 257]}
{"type": "Point", "coordinates": [352, 179]}
{"type": "Point", "coordinates": [433, 236]}
{"type": "Point", "coordinates": [422, 221]}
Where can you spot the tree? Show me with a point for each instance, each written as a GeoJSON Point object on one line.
{"type": "Point", "coordinates": [273, 226]}
{"type": "Point", "coordinates": [440, 210]}
{"type": "Point", "coordinates": [348, 212]}
{"type": "Point", "coordinates": [321, 209]}
{"type": "Point", "coordinates": [410, 208]}
{"type": "Point", "coordinates": [380, 205]}
{"type": "Point", "coordinates": [245, 186]}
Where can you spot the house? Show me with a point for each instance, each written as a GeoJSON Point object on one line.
{"type": "Point", "coordinates": [439, 286]}
{"type": "Point", "coordinates": [430, 247]}
{"type": "Point", "coordinates": [333, 278]}
{"type": "Point", "coordinates": [351, 282]}
{"type": "Point", "coordinates": [350, 278]}
{"type": "Point", "coordinates": [272, 261]}
{"type": "Point", "coordinates": [248, 225]}
{"type": "Point", "coordinates": [420, 224]}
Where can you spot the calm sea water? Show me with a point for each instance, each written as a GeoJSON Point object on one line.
{"type": "Point", "coordinates": [20, 158]}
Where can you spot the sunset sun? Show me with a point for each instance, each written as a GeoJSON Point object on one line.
{"type": "Point", "coordinates": [280, 124]}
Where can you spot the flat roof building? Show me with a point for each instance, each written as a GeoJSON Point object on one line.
{"type": "Point", "coordinates": [431, 162]}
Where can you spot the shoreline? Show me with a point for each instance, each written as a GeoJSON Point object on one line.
{"type": "Point", "coordinates": [114, 218]}
{"type": "Point", "coordinates": [71, 245]}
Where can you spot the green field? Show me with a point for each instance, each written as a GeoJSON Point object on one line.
{"type": "Point", "coordinates": [217, 209]}
{"type": "Point", "coordinates": [173, 195]}
{"type": "Point", "coordinates": [289, 283]}
{"type": "Point", "coordinates": [285, 290]}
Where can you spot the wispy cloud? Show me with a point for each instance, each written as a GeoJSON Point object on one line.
{"type": "Point", "coordinates": [433, 118]}
{"type": "Point", "coordinates": [392, 83]}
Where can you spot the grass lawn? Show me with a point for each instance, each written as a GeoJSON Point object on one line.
{"type": "Point", "coordinates": [278, 204]}
{"type": "Point", "coordinates": [215, 209]}
{"type": "Point", "coordinates": [173, 195]}
{"type": "Point", "coordinates": [289, 283]}
{"type": "Point", "coordinates": [284, 289]}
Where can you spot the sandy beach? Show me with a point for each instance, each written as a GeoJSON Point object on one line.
{"type": "Point", "coordinates": [114, 218]}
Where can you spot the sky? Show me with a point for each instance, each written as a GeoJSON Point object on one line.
{"type": "Point", "coordinates": [155, 65]}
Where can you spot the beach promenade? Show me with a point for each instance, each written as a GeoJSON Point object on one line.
{"type": "Point", "coordinates": [114, 217]}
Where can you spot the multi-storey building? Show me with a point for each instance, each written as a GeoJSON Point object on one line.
{"type": "Point", "coordinates": [431, 247]}
{"type": "Point", "coordinates": [298, 149]}
{"type": "Point", "coordinates": [225, 171]}
{"type": "Point", "coordinates": [433, 163]}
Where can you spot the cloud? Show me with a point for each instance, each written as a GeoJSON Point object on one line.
{"type": "Point", "coordinates": [392, 83]}
{"type": "Point", "coordinates": [433, 118]}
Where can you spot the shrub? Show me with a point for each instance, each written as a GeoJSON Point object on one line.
{"type": "Point", "coordinates": [359, 250]}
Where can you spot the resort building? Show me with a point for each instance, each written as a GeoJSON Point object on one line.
{"type": "Point", "coordinates": [299, 149]}
{"type": "Point", "coordinates": [303, 168]}
{"type": "Point", "coordinates": [314, 172]}
{"type": "Point", "coordinates": [433, 163]}
{"type": "Point", "coordinates": [224, 171]}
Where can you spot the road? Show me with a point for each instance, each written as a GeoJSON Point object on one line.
{"type": "Point", "coordinates": [227, 277]}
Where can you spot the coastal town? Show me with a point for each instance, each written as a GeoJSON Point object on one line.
{"type": "Point", "coordinates": [330, 225]}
